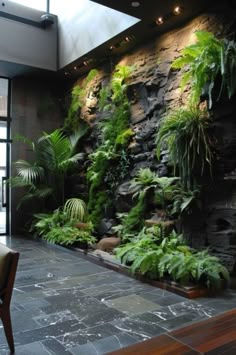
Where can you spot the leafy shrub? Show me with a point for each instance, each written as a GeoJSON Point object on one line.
{"type": "Point", "coordinates": [206, 60]}
{"type": "Point", "coordinates": [58, 228]}
{"type": "Point", "coordinates": [68, 235]}
{"type": "Point", "coordinates": [156, 257]}
{"type": "Point", "coordinates": [186, 132]}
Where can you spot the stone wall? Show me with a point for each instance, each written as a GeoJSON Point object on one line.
{"type": "Point", "coordinates": [153, 89]}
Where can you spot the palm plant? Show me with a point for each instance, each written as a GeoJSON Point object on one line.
{"type": "Point", "coordinates": [206, 60]}
{"type": "Point", "coordinates": [186, 132]}
{"type": "Point", "coordinates": [54, 155]}
{"type": "Point", "coordinates": [75, 208]}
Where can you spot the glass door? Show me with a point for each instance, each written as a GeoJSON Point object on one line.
{"type": "Point", "coordinates": [4, 155]}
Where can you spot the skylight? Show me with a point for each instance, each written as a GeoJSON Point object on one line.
{"type": "Point", "coordinates": [34, 4]}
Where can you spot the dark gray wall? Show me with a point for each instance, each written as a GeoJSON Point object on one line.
{"type": "Point", "coordinates": [29, 118]}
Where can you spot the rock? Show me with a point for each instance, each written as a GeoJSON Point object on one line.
{"type": "Point", "coordinates": [108, 244]}
{"type": "Point", "coordinates": [126, 189]}
{"type": "Point", "coordinates": [104, 226]}
{"type": "Point", "coordinates": [135, 148]}
{"type": "Point", "coordinates": [124, 197]}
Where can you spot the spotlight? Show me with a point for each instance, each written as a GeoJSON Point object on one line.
{"type": "Point", "coordinates": [75, 67]}
{"type": "Point", "coordinates": [160, 21]}
{"type": "Point", "coordinates": [85, 63]}
{"type": "Point", "coordinates": [177, 10]}
{"type": "Point", "coordinates": [135, 3]}
{"type": "Point", "coordinates": [111, 48]}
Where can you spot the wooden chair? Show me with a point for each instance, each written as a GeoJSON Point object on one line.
{"type": "Point", "coordinates": [8, 266]}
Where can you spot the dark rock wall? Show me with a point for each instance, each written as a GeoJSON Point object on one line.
{"type": "Point", "coordinates": [153, 89]}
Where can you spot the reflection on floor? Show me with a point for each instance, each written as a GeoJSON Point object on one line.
{"type": "Point", "coordinates": [63, 304]}
{"type": "Point", "coordinates": [2, 222]}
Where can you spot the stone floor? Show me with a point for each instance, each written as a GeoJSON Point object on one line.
{"type": "Point", "coordinates": [63, 304]}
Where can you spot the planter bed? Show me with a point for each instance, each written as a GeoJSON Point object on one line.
{"type": "Point", "coordinates": [106, 260]}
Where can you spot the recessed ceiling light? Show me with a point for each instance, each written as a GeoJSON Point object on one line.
{"type": "Point", "coordinates": [160, 21]}
{"type": "Point", "coordinates": [177, 10]}
{"type": "Point", "coordinates": [135, 3]}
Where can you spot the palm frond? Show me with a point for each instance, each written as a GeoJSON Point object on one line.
{"type": "Point", "coordinates": [28, 172]}
{"type": "Point", "coordinates": [75, 208]}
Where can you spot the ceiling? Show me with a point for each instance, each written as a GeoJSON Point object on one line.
{"type": "Point", "coordinates": [148, 12]}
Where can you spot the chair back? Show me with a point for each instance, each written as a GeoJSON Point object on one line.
{"type": "Point", "coordinates": [8, 265]}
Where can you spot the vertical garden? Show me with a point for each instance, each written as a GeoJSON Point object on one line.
{"type": "Point", "coordinates": [138, 159]}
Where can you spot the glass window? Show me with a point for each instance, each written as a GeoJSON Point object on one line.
{"type": "Point", "coordinates": [34, 4]}
{"type": "Point", "coordinates": [3, 97]}
{"type": "Point", "coordinates": [3, 155]}
{"type": "Point", "coordinates": [3, 130]}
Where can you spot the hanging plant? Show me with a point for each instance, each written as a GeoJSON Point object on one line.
{"type": "Point", "coordinates": [186, 132]}
{"type": "Point", "coordinates": [206, 61]}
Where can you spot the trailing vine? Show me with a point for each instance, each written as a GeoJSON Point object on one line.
{"type": "Point", "coordinates": [115, 136]}
{"type": "Point", "coordinates": [74, 121]}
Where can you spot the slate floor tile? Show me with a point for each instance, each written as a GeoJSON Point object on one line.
{"type": "Point", "coordinates": [105, 345]}
{"type": "Point", "coordinates": [138, 328]}
{"type": "Point", "coordinates": [35, 348]}
{"type": "Point", "coordinates": [132, 304]}
{"type": "Point", "coordinates": [43, 333]}
{"type": "Point", "coordinates": [54, 347]}
{"type": "Point", "coordinates": [63, 305]}
{"type": "Point", "coordinates": [83, 336]}
{"type": "Point", "coordinates": [50, 319]}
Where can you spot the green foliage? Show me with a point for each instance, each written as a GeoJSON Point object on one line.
{"type": "Point", "coordinates": [134, 220]}
{"type": "Point", "coordinates": [78, 95]}
{"type": "Point", "coordinates": [67, 235]}
{"type": "Point", "coordinates": [98, 203]}
{"type": "Point", "coordinates": [186, 132]}
{"type": "Point", "coordinates": [123, 138]}
{"type": "Point", "coordinates": [58, 228]}
{"type": "Point", "coordinates": [118, 170]}
{"type": "Point", "coordinates": [115, 135]}
{"type": "Point", "coordinates": [206, 60]}
{"type": "Point", "coordinates": [164, 188]}
{"type": "Point", "coordinates": [157, 257]}
{"type": "Point", "coordinates": [75, 208]}
{"type": "Point", "coordinates": [184, 199]}
{"type": "Point", "coordinates": [54, 155]}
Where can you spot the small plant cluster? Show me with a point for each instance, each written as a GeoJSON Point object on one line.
{"type": "Point", "coordinates": [166, 194]}
{"type": "Point", "coordinates": [157, 256]}
{"type": "Point", "coordinates": [103, 174]}
{"type": "Point", "coordinates": [60, 226]}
